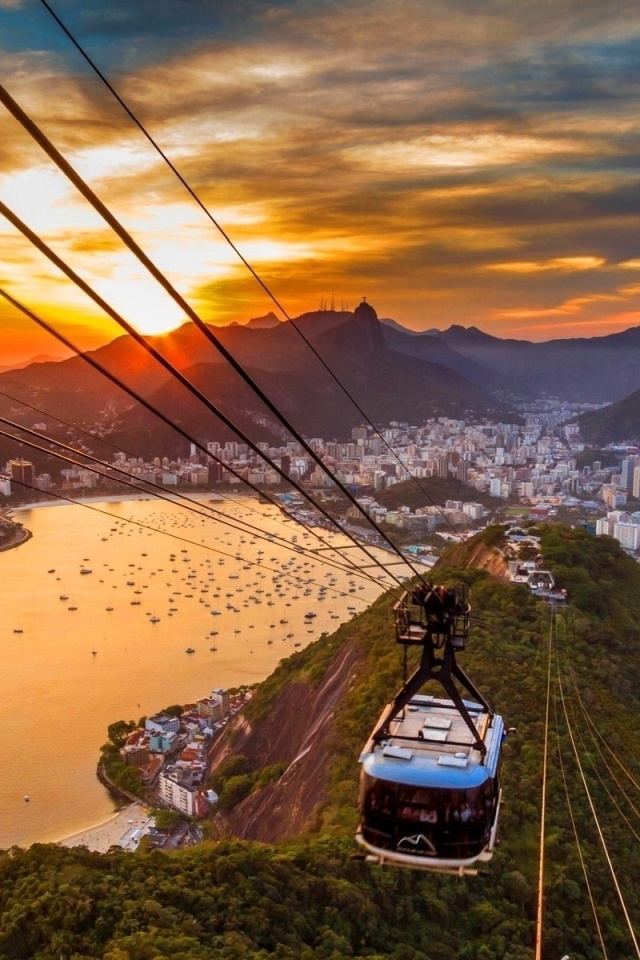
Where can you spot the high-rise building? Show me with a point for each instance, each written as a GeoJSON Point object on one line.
{"type": "Point", "coordinates": [22, 472]}
{"type": "Point", "coordinates": [628, 466]}
{"type": "Point", "coordinates": [628, 534]}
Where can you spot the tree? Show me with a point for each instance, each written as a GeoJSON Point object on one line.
{"type": "Point", "coordinates": [175, 710]}
{"type": "Point", "coordinates": [166, 819]}
{"type": "Point", "coordinates": [119, 731]}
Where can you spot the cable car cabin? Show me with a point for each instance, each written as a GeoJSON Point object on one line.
{"type": "Point", "coordinates": [429, 798]}
{"type": "Point", "coordinates": [430, 793]}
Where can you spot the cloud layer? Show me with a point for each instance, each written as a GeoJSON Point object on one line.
{"type": "Point", "coordinates": [457, 162]}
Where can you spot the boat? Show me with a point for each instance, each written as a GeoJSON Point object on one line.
{"type": "Point", "coordinates": [17, 629]}
{"type": "Point", "coordinates": [85, 570]}
{"type": "Point", "coordinates": [72, 608]}
{"type": "Point", "coordinates": [63, 596]}
{"type": "Point", "coordinates": [154, 619]}
{"type": "Point", "coordinates": [190, 650]}
{"type": "Point", "coordinates": [213, 649]}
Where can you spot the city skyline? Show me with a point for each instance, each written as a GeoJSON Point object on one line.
{"type": "Point", "coordinates": [456, 163]}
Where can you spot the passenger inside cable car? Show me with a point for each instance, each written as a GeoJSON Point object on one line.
{"type": "Point", "coordinates": [450, 824]}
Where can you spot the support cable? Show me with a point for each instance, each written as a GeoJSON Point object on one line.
{"type": "Point", "coordinates": [196, 507]}
{"type": "Point", "coordinates": [596, 820]}
{"type": "Point", "coordinates": [575, 831]}
{"type": "Point", "coordinates": [543, 809]}
{"type": "Point", "coordinates": [92, 362]}
{"type": "Point", "coordinates": [591, 727]}
{"type": "Point", "coordinates": [71, 174]}
{"type": "Point", "coordinates": [595, 733]}
{"type": "Point", "coordinates": [184, 381]}
{"type": "Point", "coordinates": [216, 223]}
{"type": "Point", "coordinates": [162, 495]}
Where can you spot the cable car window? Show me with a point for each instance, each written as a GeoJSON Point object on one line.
{"type": "Point", "coordinates": [427, 821]}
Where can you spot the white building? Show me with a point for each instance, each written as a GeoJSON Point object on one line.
{"type": "Point", "coordinates": [628, 535]}
{"type": "Point", "coordinates": [176, 789]}
{"type": "Point", "coordinates": [604, 527]}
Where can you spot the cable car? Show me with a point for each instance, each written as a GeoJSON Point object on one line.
{"type": "Point", "coordinates": [430, 789]}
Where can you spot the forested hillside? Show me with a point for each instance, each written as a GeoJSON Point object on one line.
{"type": "Point", "coordinates": [311, 896]}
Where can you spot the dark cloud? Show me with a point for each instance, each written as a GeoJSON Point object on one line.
{"type": "Point", "coordinates": [424, 151]}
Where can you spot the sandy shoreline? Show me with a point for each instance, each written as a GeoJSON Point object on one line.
{"type": "Point", "coordinates": [120, 497]}
{"type": "Point", "coordinates": [121, 829]}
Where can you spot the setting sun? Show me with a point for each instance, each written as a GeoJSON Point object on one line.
{"type": "Point", "coordinates": [140, 301]}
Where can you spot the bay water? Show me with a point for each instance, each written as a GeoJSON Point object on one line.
{"type": "Point", "coordinates": [99, 609]}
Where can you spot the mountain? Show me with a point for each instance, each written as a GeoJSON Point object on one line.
{"type": "Point", "coordinates": [40, 358]}
{"type": "Point", "coordinates": [588, 370]}
{"type": "Point", "coordinates": [386, 383]}
{"type": "Point", "coordinates": [391, 373]}
{"type": "Point", "coordinates": [398, 326]}
{"type": "Point", "coordinates": [263, 323]}
{"type": "Point", "coordinates": [616, 423]}
{"type": "Point", "coordinates": [427, 346]}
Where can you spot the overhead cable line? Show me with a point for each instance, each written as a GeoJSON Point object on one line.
{"type": "Point", "coordinates": [543, 807]}
{"type": "Point", "coordinates": [596, 821]}
{"type": "Point", "coordinates": [591, 727]}
{"type": "Point", "coordinates": [627, 772]}
{"type": "Point", "coordinates": [87, 358]}
{"type": "Point", "coordinates": [91, 361]}
{"type": "Point", "coordinates": [211, 512]}
{"type": "Point", "coordinates": [45, 143]}
{"type": "Point", "coordinates": [203, 546]}
{"type": "Point", "coordinates": [184, 381]}
{"type": "Point", "coordinates": [216, 223]}
{"type": "Point", "coordinates": [575, 831]}
{"type": "Point", "coordinates": [161, 494]}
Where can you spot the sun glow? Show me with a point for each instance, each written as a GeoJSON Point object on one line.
{"type": "Point", "coordinates": [145, 306]}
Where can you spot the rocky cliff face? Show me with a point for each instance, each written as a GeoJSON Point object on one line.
{"type": "Point", "coordinates": [298, 730]}
{"type": "Point", "coordinates": [481, 557]}
{"type": "Point", "coordinates": [299, 727]}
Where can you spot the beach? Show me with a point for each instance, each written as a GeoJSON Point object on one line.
{"type": "Point", "coordinates": [123, 829]}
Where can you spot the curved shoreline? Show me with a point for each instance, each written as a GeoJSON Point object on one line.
{"type": "Point", "coordinates": [21, 537]}
{"type": "Point", "coordinates": [101, 836]}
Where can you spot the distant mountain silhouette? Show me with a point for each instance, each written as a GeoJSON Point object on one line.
{"type": "Point", "coordinates": [261, 323]}
{"type": "Point", "coordinates": [583, 369]}
{"type": "Point", "coordinates": [398, 326]}
{"type": "Point", "coordinates": [437, 350]}
{"type": "Point", "coordinates": [392, 374]}
{"type": "Point", "coordinates": [40, 358]}
{"type": "Point", "coordinates": [387, 385]}
{"type": "Point", "coordinates": [619, 422]}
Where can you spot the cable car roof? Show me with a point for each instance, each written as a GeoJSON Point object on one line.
{"type": "Point", "coordinates": [431, 746]}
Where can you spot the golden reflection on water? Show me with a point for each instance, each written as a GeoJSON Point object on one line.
{"type": "Point", "coordinates": [57, 696]}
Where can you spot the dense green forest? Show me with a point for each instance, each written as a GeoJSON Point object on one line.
{"type": "Point", "coordinates": [313, 897]}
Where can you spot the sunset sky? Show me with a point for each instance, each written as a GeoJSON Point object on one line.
{"type": "Point", "coordinates": [462, 161]}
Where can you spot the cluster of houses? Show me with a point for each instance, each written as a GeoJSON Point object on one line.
{"type": "Point", "coordinates": [541, 582]}
{"type": "Point", "coordinates": [172, 753]}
